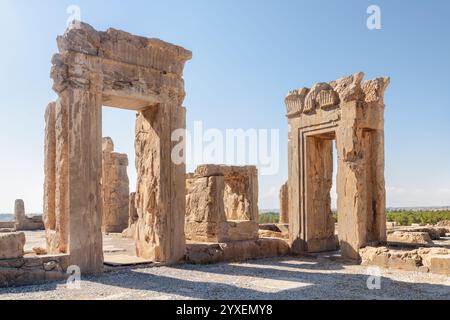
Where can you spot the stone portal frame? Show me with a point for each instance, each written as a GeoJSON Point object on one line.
{"type": "Point", "coordinates": [222, 204]}
{"type": "Point", "coordinates": [115, 69]}
{"type": "Point", "coordinates": [351, 111]}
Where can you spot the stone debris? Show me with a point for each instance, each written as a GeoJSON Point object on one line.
{"type": "Point", "coordinates": [39, 251]}
{"type": "Point", "coordinates": [435, 260]}
{"type": "Point", "coordinates": [272, 230]}
{"type": "Point", "coordinates": [235, 250]}
{"type": "Point", "coordinates": [409, 237]}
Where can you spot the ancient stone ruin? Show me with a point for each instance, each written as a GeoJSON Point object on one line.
{"type": "Point", "coordinates": [222, 204]}
{"type": "Point", "coordinates": [22, 222]}
{"type": "Point", "coordinates": [115, 69]}
{"type": "Point", "coordinates": [115, 189]}
{"type": "Point", "coordinates": [284, 203]}
{"type": "Point", "coordinates": [210, 215]}
{"type": "Point", "coordinates": [350, 111]}
{"type": "Point", "coordinates": [133, 217]}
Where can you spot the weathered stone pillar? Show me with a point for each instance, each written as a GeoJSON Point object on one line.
{"type": "Point", "coordinates": [132, 217]}
{"type": "Point", "coordinates": [284, 203]}
{"type": "Point", "coordinates": [115, 189]}
{"type": "Point", "coordinates": [84, 172]}
{"type": "Point", "coordinates": [19, 211]}
{"type": "Point", "coordinates": [360, 147]}
{"type": "Point", "coordinates": [49, 213]}
{"type": "Point", "coordinates": [297, 227]}
{"type": "Point", "coordinates": [160, 194]}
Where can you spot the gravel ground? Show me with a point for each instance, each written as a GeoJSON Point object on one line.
{"type": "Point", "coordinates": [278, 278]}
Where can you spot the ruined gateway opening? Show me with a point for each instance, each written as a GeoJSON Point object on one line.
{"type": "Point", "coordinates": [118, 184]}
{"type": "Point", "coordinates": [320, 224]}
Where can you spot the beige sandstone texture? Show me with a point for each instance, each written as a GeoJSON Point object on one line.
{"type": "Point", "coordinates": [11, 245]}
{"type": "Point", "coordinates": [435, 260]}
{"type": "Point", "coordinates": [115, 189]}
{"type": "Point", "coordinates": [351, 111]}
{"type": "Point", "coordinates": [236, 250]}
{"type": "Point", "coordinates": [115, 69]}
{"type": "Point", "coordinates": [284, 203]}
{"type": "Point", "coordinates": [24, 223]}
{"type": "Point", "coordinates": [132, 217]}
{"type": "Point", "coordinates": [221, 204]}
{"type": "Point", "coordinates": [409, 237]}
{"type": "Point", "coordinates": [32, 270]}
{"type": "Point", "coordinates": [434, 231]}
{"type": "Point", "coordinates": [272, 230]}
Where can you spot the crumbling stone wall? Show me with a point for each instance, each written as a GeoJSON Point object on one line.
{"type": "Point", "coordinates": [22, 221]}
{"type": "Point", "coordinates": [221, 204]}
{"type": "Point", "coordinates": [351, 111]}
{"type": "Point", "coordinates": [115, 188]}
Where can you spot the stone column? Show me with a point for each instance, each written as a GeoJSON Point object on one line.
{"type": "Point", "coordinates": [205, 214]}
{"type": "Point", "coordinates": [160, 194]}
{"type": "Point", "coordinates": [19, 211]}
{"type": "Point", "coordinates": [295, 189]}
{"type": "Point", "coordinates": [78, 80]}
{"type": "Point", "coordinates": [49, 215]}
{"type": "Point", "coordinates": [284, 203]}
{"type": "Point", "coordinates": [352, 180]}
{"type": "Point", "coordinates": [82, 176]}
{"type": "Point", "coordinates": [132, 217]}
{"type": "Point", "coordinates": [115, 189]}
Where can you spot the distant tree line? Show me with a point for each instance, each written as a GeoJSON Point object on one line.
{"type": "Point", "coordinates": [402, 217]}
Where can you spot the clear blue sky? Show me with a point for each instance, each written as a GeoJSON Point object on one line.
{"type": "Point", "coordinates": [246, 56]}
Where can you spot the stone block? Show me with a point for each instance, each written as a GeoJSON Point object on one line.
{"type": "Point", "coordinates": [11, 245]}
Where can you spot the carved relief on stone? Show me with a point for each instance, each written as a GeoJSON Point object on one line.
{"type": "Point", "coordinates": [295, 101]}
{"type": "Point", "coordinates": [374, 89]}
{"type": "Point", "coordinates": [307, 101]}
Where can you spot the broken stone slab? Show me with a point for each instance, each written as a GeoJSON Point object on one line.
{"type": "Point", "coordinates": [409, 237]}
{"type": "Point", "coordinates": [434, 259]}
{"type": "Point", "coordinates": [202, 253]}
{"type": "Point", "coordinates": [11, 245]}
{"type": "Point", "coordinates": [272, 234]}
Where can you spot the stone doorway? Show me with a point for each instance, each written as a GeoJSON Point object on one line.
{"type": "Point", "coordinates": [115, 69]}
{"type": "Point", "coordinates": [351, 111]}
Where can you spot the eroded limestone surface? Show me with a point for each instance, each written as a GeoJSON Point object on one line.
{"type": "Point", "coordinates": [11, 245]}
{"type": "Point", "coordinates": [22, 221]}
{"type": "Point", "coordinates": [284, 203]}
{"type": "Point", "coordinates": [115, 188]}
{"type": "Point", "coordinates": [350, 111]}
{"type": "Point", "coordinates": [221, 203]}
{"type": "Point", "coordinates": [435, 260]}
